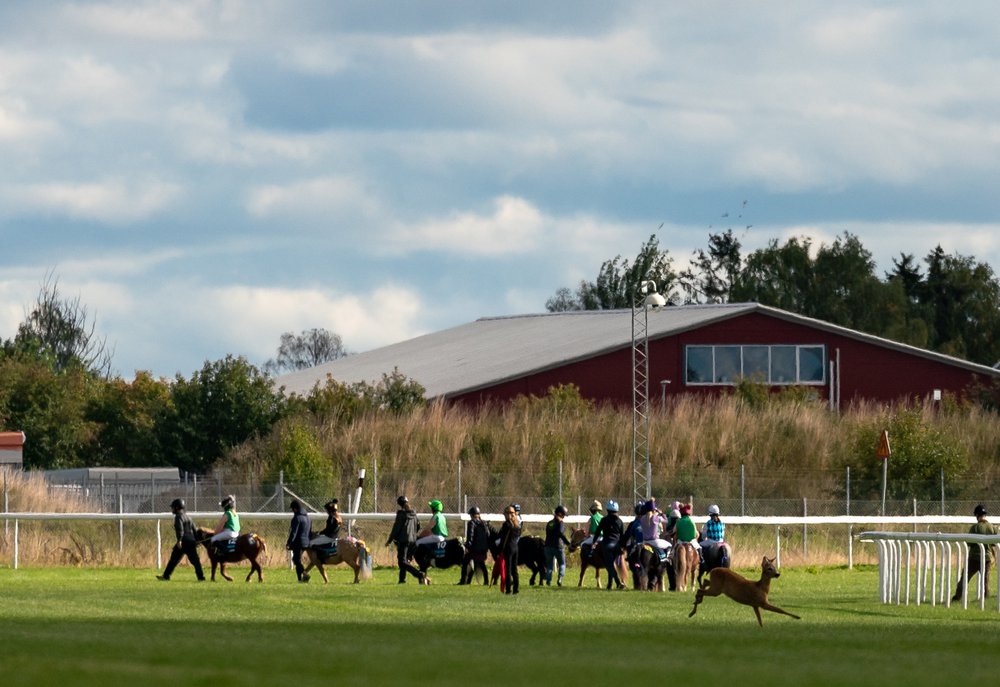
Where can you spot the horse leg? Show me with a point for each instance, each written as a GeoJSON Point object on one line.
{"type": "Point", "coordinates": [322, 572]}
{"type": "Point", "coordinates": [583, 569]}
{"type": "Point", "coordinates": [222, 571]}
{"type": "Point", "coordinates": [357, 571]}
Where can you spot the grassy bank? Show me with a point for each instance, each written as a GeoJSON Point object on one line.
{"type": "Point", "coordinates": [95, 627]}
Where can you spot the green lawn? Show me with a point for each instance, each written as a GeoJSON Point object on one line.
{"type": "Point", "coordinates": [118, 627]}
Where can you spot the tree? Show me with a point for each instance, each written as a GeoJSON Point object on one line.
{"type": "Point", "coordinates": [962, 297]}
{"type": "Point", "coordinates": [129, 416]}
{"type": "Point", "coordinates": [310, 348]}
{"type": "Point", "coordinates": [228, 402]}
{"type": "Point", "coordinates": [49, 407]}
{"type": "Point", "coordinates": [61, 328]}
{"type": "Point", "coordinates": [711, 276]}
{"type": "Point", "coordinates": [617, 282]}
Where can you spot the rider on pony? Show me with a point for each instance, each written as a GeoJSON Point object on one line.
{"type": "Point", "coordinates": [228, 526]}
{"type": "Point", "coordinates": [592, 523]}
{"type": "Point", "coordinates": [437, 529]}
{"type": "Point", "coordinates": [713, 536]}
{"type": "Point", "coordinates": [331, 532]}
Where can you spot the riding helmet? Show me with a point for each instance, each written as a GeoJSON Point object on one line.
{"type": "Point", "coordinates": [612, 506]}
{"type": "Point", "coordinates": [331, 504]}
{"type": "Point", "coordinates": [295, 505]}
{"type": "Point", "coordinates": [436, 506]}
{"type": "Point", "coordinates": [595, 506]}
{"type": "Point", "coordinates": [474, 510]}
{"type": "Point", "coordinates": [177, 504]}
{"type": "Point", "coordinates": [713, 510]}
{"type": "Point", "coordinates": [638, 507]}
{"type": "Point", "coordinates": [560, 510]}
{"type": "Point", "coordinates": [517, 508]}
{"type": "Point", "coordinates": [979, 510]}
{"type": "Point", "coordinates": [402, 501]}
{"type": "Point", "coordinates": [228, 502]}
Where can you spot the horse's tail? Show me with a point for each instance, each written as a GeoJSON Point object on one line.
{"type": "Point", "coordinates": [365, 561]}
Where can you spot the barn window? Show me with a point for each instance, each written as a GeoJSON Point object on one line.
{"type": "Point", "coordinates": [778, 364]}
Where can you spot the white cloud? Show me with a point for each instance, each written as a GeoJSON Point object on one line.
{"type": "Point", "coordinates": [160, 20]}
{"type": "Point", "coordinates": [326, 199]}
{"type": "Point", "coordinates": [513, 227]}
{"type": "Point", "coordinates": [253, 318]}
{"type": "Point", "coordinates": [112, 200]}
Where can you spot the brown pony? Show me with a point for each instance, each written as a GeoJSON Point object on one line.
{"type": "Point", "coordinates": [248, 546]}
{"type": "Point", "coordinates": [685, 565]}
{"type": "Point", "coordinates": [596, 559]}
{"type": "Point", "coordinates": [350, 551]}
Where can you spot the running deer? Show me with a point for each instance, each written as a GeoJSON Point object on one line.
{"type": "Point", "coordinates": [741, 590]}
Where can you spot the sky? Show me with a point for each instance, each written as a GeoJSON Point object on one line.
{"type": "Point", "coordinates": [206, 175]}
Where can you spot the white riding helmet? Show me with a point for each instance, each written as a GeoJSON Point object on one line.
{"type": "Point", "coordinates": [713, 510]}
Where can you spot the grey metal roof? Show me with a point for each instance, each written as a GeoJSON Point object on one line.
{"type": "Point", "coordinates": [495, 349]}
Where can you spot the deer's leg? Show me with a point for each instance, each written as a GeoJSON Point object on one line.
{"type": "Point", "coordinates": [757, 611]}
{"type": "Point", "coordinates": [775, 609]}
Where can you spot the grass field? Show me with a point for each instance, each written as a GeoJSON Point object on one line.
{"type": "Point", "coordinates": [77, 626]}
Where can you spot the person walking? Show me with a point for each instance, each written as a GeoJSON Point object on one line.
{"type": "Point", "coordinates": [298, 538]}
{"type": "Point", "coordinates": [974, 563]}
{"type": "Point", "coordinates": [608, 537]}
{"type": "Point", "coordinates": [555, 541]}
{"type": "Point", "coordinates": [404, 535]}
{"type": "Point", "coordinates": [186, 544]}
{"type": "Point", "coordinates": [510, 535]}
{"type": "Point", "coordinates": [477, 545]}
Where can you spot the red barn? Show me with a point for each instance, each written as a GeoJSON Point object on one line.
{"type": "Point", "coordinates": [691, 349]}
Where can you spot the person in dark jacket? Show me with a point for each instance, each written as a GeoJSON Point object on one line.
{"type": "Point", "coordinates": [510, 535]}
{"type": "Point", "coordinates": [477, 545]}
{"type": "Point", "coordinates": [555, 540]}
{"type": "Point", "coordinates": [404, 535]}
{"type": "Point", "coordinates": [298, 538]}
{"type": "Point", "coordinates": [186, 544]}
{"type": "Point", "coordinates": [609, 537]}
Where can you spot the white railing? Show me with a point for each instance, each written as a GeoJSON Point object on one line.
{"type": "Point", "coordinates": [777, 522]}
{"type": "Point", "coordinates": [924, 563]}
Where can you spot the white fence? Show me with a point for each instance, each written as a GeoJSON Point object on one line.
{"type": "Point", "coordinates": [924, 564]}
{"type": "Point", "coordinates": [848, 522]}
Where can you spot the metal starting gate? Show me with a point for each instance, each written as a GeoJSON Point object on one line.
{"type": "Point", "coordinates": [925, 567]}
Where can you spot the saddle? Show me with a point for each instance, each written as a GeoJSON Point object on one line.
{"type": "Point", "coordinates": [326, 551]}
{"type": "Point", "coordinates": [225, 547]}
{"type": "Point", "coordinates": [661, 553]}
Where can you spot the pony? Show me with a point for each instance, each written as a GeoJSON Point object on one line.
{"type": "Point", "coordinates": [685, 565]}
{"type": "Point", "coordinates": [349, 550]}
{"type": "Point", "coordinates": [648, 570]}
{"type": "Point", "coordinates": [426, 555]}
{"type": "Point", "coordinates": [249, 546]}
{"type": "Point", "coordinates": [712, 557]}
{"type": "Point", "coordinates": [531, 554]}
{"type": "Point", "coordinates": [596, 559]}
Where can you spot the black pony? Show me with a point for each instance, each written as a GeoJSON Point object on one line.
{"type": "Point", "coordinates": [531, 554]}
{"type": "Point", "coordinates": [439, 555]}
{"type": "Point", "coordinates": [648, 569]}
{"type": "Point", "coordinates": [718, 556]}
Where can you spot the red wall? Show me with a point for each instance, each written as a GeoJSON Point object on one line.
{"type": "Point", "coordinates": [867, 371]}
